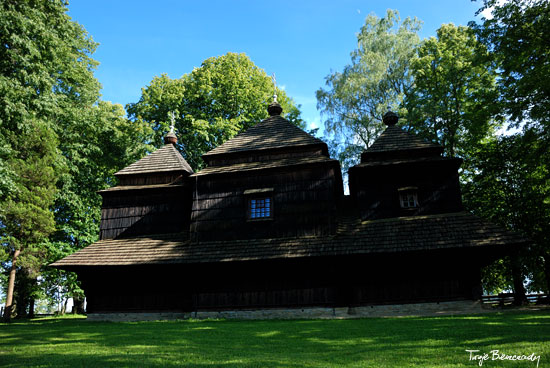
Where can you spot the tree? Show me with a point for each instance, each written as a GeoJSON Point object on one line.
{"type": "Point", "coordinates": [25, 216]}
{"type": "Point", "coordinates": [517, 34]}
{"type": "Point", "coordinates": [224, 96]}
{"type": "Point", "coordinates": [95, 141]}
{"type": "Point", "coordinates": [453, 101]}
{"type": "Point", "coordinates": [378, 77]}
{"type": "Point", "coordinates": [54, 133]}
{"type": "Point", "coordinates": [510, 187]}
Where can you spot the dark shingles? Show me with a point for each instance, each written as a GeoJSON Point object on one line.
{"type": "Point", "coordinates": [396, 139]}
{"type": "Point", "coordinates": [455, 230]}
{"type": "Point", "coordinates": [164, 159]}
{"type": "Point", "coordinates": [273, 132]}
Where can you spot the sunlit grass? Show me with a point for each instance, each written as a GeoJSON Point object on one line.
{"type": "Point", "coordinates": [391, 342]}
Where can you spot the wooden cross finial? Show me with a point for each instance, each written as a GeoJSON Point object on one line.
{"type": "Point", "coordinates": [172, 122]}
{"type": "Point", "coordinates": [274, 87]}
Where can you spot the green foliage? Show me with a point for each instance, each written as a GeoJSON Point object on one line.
{"type": "Point", "coordinates": [95, 142]}
{"type": "Point", "coordinates": [224, 96]}
{"type": "Point", "coordinates": [510, 179]}
{"type": "Point", "coordinates": [377, 78]}
{"type": "Point", "coordinates": [517, 35]}
{"type": "Point", "coordinates": [59, 144]}
{"type": "Point", "coordinates": [510, 185]}
{"type": "Point", "coordinates": [453, 101]}
{"type": "Point", "coordinates": [371, 342]}
{"type": "Point", "coordinates": [25, 213]}
{"type": "Point", "coordinates": [44, 62]}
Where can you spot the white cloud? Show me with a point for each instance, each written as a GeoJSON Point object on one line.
{"type": "Point", "coordinates": [488, 13]}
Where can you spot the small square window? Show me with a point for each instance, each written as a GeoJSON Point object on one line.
{"type": "Point", "coordinates": [408, 200]}
{"type": "Point", "coordinates": [408, 197]}
{"type": "Point", "coordinates": [259, 208]}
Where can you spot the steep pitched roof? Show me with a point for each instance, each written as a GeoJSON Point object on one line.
{"type": "Point", "coordinates": [166, 158]}
{"type": "Point", "coordinates": [395, 140]}
{"type": "Point", "coordinates": [415, 233]}
{"type": "Point", "coordinates": [273, 132]}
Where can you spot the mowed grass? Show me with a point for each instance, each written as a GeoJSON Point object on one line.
{"type": "Point", "coordinates": [376, 342]}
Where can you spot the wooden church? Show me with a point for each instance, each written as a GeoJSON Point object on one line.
{"type": "Point", "coordinates": [266, 226]}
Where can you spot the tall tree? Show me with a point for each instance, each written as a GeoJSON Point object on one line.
{"type": "Point", "coordinates": [453, 101]}
{"type": "Point", "coordinates": [95, 142]}
{"type": "Point", "coordinates": [55, 131]}
{"type": "Point", "coordinates": [225, 95]}
{"type": "Point", "coordinates": [518, 34]}
{"type": "Point", "coordinates": [25, 213]}
{"type": "Point", "coordinates": [510, 187]}
{"type": "Point", "coordinates": [378, 77]}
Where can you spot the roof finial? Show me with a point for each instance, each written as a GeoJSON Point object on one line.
{"type": "Point", "coordinates": [274, 81]}
{"type": "Point", "coordinates": [172, 122]}
{"type": "Point", "coordinates": [390, 118]}
{"type": "Point", "coordinates": [171, 138]}
{"type": "Point", "coordinates": [274, 108]}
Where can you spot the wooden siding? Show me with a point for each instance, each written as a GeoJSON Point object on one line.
{"type": "Point", "coordinates": [375, 188]}
{"type": "Point", "coordinates": [266, 155]}
{"type": "Point", "coordinates": [151, 179]}
{"type": "Point", "coordinates": [331, 282]}
{"type": "Point", "coordinates": [146, 211]}
{"type": "Point", "coordinates": [303, 204]}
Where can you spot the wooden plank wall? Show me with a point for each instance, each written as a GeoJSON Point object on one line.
{"type": "Point", "coordinates": [304, 204]}
{"type": "Point", "coordinates": [377, 196]}
{"type": "Point", "coordinates": [150, 179]}
{"type": "Point", "coordinates": [331, 282]}
{"type": "Point", "coordinates": [148, 211]}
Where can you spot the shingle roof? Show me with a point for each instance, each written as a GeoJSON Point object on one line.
{"type": "Point", "coordinates": [257, 165]}
{"type": "Point", "coordinates": [396, 139]}
{"type": "Point", "coordinates": [415, 233]}
{"type": "Point", "coordinates": [273, 132]}
{"type": "Point", "coordinates": [166, 158]}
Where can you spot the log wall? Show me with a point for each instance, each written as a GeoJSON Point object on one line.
{"type": "Point", "coordinates": [328, 282]}
{"type": "Point", "coordinates": [375, 189]}
{"type": "Point", "coordinates": [145, 211]}
{"type": "Point", "coordinates": [303, 203]}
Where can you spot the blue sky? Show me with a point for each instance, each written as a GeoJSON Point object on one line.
{"type": "Point", "coordinates": [300, 41]}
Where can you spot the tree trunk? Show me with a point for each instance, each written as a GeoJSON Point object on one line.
{"type": "Point", "coordinates": [547, 272]}
{"type": "Point", "coordinates": [32, 301]}
{"type": "Point", "coordinates": [64, 309]}
{"type": "Point", "coordinates": [11, 285]}
{"type": "Point", "coordinates": [519, 290]}
{"type": "Point", "coordinates": [31, 307]}
{"type": "Point", "coordinates": [78, 305]}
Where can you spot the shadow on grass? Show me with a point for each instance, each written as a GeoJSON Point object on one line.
{"type": "Point", "coordinates": [411, 341]}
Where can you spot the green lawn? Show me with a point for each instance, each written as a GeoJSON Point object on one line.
{"type": "Point", "coordinates": [376, 342]}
